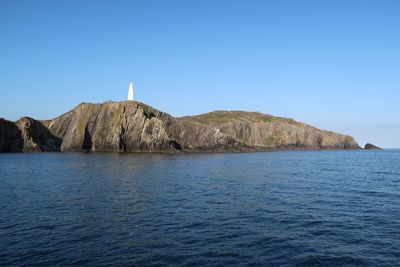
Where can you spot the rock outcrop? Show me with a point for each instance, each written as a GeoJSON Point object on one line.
{"type": "Point", "coordinates": [369, 146]}
{"type": "Point", "coordinates": [36, 137]}
{"type": "Point", "coordinates": [264, 131]}
{"type": "Point", "coordinates": [27, 135]}
{"type": "Point", "coordinates": [10, 137]}
{"type": "Point", "coordinates": [135, 127]}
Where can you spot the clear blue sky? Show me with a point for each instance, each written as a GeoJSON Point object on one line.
{"type": "Point", "coordinates": [333, 64]}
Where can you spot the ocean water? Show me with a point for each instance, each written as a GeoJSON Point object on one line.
{"type": "Point", "coordinates": [287, 208]}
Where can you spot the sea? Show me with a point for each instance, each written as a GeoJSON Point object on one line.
{"type": "Point", "coordinates": [283, 208]}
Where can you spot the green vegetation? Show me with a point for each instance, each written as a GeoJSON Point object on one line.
{"type": "Point", "coordinates": [272, 141]}
{"type": "Point", "coordinates": [219, 117]}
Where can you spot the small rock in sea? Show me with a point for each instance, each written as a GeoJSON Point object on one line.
{"type": "Point", "coordinates": [369, 146]}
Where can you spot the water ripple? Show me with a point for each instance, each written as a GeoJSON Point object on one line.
{"type": "Point", "coordinates": [289, 208]}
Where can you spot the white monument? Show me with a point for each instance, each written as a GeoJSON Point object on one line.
{"type": "Point", "coordinates": [130, 92]}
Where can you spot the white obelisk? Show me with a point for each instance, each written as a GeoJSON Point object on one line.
{"type": "Point", "coordinates": [130, 92]}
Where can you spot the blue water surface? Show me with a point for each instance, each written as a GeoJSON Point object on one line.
{"type": "Point", "coordinates": [287, 208]}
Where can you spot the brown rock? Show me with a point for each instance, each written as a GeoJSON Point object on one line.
{"type": "Point", "coordinates": [260, 130]}
{"type": "Point", "coordinates": [135, 127]}
{"type": "Point", "coordinates": [36, 137]}
{"type": "Point", "coordinates": [10, 137]}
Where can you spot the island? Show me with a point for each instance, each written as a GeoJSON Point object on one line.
{"type": "Point", "coordinates": [131, 126]}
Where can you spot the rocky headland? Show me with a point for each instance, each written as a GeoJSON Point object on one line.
{"type": "Point", "coordinates": [131, 126]}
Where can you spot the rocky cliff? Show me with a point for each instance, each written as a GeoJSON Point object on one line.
{"type": "Point", "coordinates": [10, 137]}
{"type": "Point", "coordinates": [255, 129]}
{"type": "Point", "coordinates": [36, 136]}
{"type": "Point", "coordinates": [135, 127]}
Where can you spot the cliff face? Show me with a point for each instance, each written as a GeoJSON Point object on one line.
{"type": "Point", "coordinates": [10, 137]}
{"type": "Point", "coordinates": [131, 126]}
{"type": "Point", "coordinates": [26, 135]}
{"type": "Point", "coordinates": [36, 137]}
{"type": "Point", "coordinates": [260, 130]}
{"type": "Point", "coordinates": [135, 127]}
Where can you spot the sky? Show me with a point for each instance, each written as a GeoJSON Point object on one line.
{"type": "Point", "coordinates": [333, 64]}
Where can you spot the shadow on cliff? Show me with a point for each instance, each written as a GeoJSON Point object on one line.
{"type": "Point", "coordinates": [87, 141]}
{"type": "Point", "coordinates": [10, 137]}
{"type": "Point", "coordinates": [36, 136]}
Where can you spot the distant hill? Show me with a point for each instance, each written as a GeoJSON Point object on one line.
{"type": "Point", "coordinates": [130, 126]}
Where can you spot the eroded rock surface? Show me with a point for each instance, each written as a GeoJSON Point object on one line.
{"type": "Point", "coordinates": [10, 137]}
{"type": "Point", "coordinates": [264, 131]}
{"type": "Point", "coordinates": [135, 127]}
{"type": "Point", "coordinates": [36, 136]}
